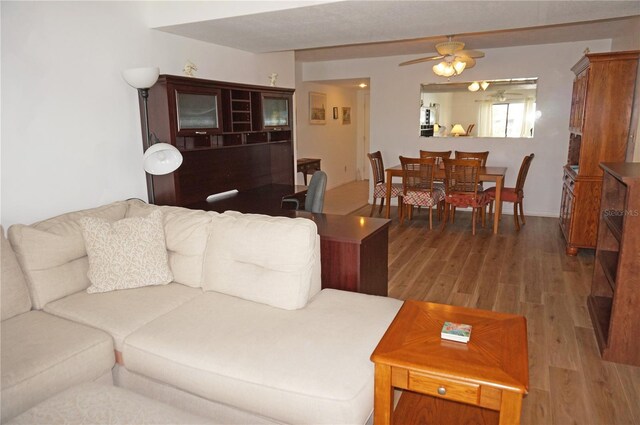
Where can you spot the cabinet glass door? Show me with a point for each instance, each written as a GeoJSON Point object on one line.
{"type": "Point", "coordinates": [275, 111]}
{"type": "Point", "coordinates": [197, 111]}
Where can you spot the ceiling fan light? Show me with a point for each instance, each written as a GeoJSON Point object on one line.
{"type": "Point", "coordinates": [443, 69]}
{"type": "Point", "coordinates": [484, 85]}
{"type": "Point", "coordinates": [474, 86]}
{"type": "Point", "coordinates": [459, 66]}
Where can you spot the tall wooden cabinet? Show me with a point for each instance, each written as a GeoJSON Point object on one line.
{"type": "Point", "coordinates": [615, 289]}
{"type": "Point", "coordinates": [231, 136]}
{"type": "Point", "coordinates": [602, 126]}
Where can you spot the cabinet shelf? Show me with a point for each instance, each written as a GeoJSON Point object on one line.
{"type": "Point", "coordinates": [600, 312]}
{"type": "Point", "coordinates": [614, 223]}
{"type": "Point", "coordinates": [609, 263]}
{"type": "Point", "coordinates": [615, 294]}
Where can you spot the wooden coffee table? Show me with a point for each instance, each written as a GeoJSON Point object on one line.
{"type": "Point", "coordinates": [482, 381]}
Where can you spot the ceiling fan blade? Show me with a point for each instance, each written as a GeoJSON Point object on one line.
{"type": "Point", "coordinates": [471, 62]}
{"type": "Point", "coordinates": [429, 58]}
{"type": "Point", "coordinates": [470, 53]}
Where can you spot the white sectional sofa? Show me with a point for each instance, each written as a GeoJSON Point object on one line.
{"type": "Point", "coordinates": [242, 335]}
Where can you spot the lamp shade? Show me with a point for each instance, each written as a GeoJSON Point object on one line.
{"type": "Point", "coordinates": [162, 158]}
{"type": "Point", "coordinates": [459, 66]}
{"type": "Point", "coordinates": [457, 130]}
{"type": "Point", "coordinates": [141, 78]}
{"type": "Point", "coordinates": [474, 86]}
{"type": "Point", "coordinates": [444, 69]}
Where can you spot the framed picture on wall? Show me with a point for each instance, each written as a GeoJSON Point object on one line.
{"type": "Point", "coordinates": [346, 115]}
{"type": "Point", "coordinates": [335, 112]}
{"type": "Point", "coordinates": [317, 108]}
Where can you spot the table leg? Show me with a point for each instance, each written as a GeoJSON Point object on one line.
{"type": "Point", "coordinates": [388, 195]}
{"type": "Point", "coordinates": [510, 408]}
{"type": "Point", "coordinates": [498, 200]}
{"type": "Point", "coordinates": [304, 175]}
{"type": "Point", "coordinates": [383, 396]}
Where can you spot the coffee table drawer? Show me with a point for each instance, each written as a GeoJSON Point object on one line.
{"type": "Point", "coordinates": [464, 392]}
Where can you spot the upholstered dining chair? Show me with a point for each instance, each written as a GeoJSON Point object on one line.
{"type": "Point", "coordinates": [513, 194]}
{"type": "Point", "coordinates": [380, 186]}
{"type": "Point", "coordinates": [418, 187]}
{"type": "Point", "coordinates": [439, 156]}
{"type": "Point", "coordinates": [481, 156]}
{"type": "Point", "coordinates": [461, 189]}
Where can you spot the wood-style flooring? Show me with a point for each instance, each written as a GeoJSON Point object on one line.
{"type": "Point", "coordinates": [526, 273]}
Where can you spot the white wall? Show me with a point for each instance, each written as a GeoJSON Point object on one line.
{"type": "Point", "coordinates": [334, 143]}
{"type": "Point", "coordinates": [395, 99]}
{"type": "Point", "coordinates": [71, 133]}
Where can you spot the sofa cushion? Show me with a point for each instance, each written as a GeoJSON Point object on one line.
{"type": "Point", "coordinates": [52, 253]}
{"type": "Point", "coordinates": [265, 259]}
{"type": "Point", "coordinates": [303, 366]}
{"type": "Point", "coordinates": [14, 294]}
{"type": "Point", "coordinates": [119, 313]}
{"type": "Point", "coordinates": [129, 253]}
{"type": "Point", "coordinates": [104, 404]}
{"type": "Point", "coordinates": [43, 354]}
{"type": "Point", "coordinates": [186, 233]}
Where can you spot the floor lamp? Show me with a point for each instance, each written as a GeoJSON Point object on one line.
{"type": "Point", "coordinates": [159, 158]}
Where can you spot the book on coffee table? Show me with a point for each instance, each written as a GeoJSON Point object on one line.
{"type": "Point", "coordinates": [458, 332]}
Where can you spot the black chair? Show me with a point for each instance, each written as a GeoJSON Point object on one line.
{"type": "Point", "coordinates": [314, 200]}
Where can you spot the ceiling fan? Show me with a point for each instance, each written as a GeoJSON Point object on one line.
{"type": "Point", "coordinates": [500, 96]}
{"type": "Point", "coordinates": [455, 58]}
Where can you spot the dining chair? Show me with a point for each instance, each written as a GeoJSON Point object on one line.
{"type": "Point", "coordinates": [462, 190]}
{"type": "Point", "coordinates": [380, 186]}
{"type": "Point", "coordinates": [482, 156]}
{"type": "Point", "coordinates": [418, 188]}
{"type": "Point", "coordinates": [513, 194]}
{"type": "Point", "coordinates": [439, 155]}
{"type": "Point", "coordinates": [470, 129]}
{"type": "Point", "coordinates": [314, 199]}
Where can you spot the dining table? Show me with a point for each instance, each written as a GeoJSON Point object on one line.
{"type": "Point", "coordinates": [493, 174]}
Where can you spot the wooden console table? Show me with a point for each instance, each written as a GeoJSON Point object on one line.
{"type": "Point", "coordinates": [480, 382]}
{"type": "Point", "coordinates": [308, 166]}
{"type": "Point", "coordinates": [353, 250]}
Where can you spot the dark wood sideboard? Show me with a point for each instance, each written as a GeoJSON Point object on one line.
{"type": "Point", "coordinates": [231, 136]}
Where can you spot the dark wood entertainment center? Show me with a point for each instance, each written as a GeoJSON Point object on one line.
{"type": "Point", "coordinates": [231, 136]}
{"type": "Point", "coordinates": [239, 136]}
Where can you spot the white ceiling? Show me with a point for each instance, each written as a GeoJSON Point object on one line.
{"type": "Point", "coordinates": [356, 29]}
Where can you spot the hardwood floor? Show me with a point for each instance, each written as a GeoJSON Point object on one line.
{"type": "Point", "coordinates": [526, 273]}
{"type": "Point", "coordinates": [346, 198]}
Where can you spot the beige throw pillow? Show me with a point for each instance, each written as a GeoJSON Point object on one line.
{"type": "Point", "coordinates": [129, 253]}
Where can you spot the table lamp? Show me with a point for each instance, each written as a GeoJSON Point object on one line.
{"type": "Point", "coordinates": [457, 130]}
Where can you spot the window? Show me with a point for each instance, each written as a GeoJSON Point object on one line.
{"type": "Point", "coordinates": [507, 119]}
